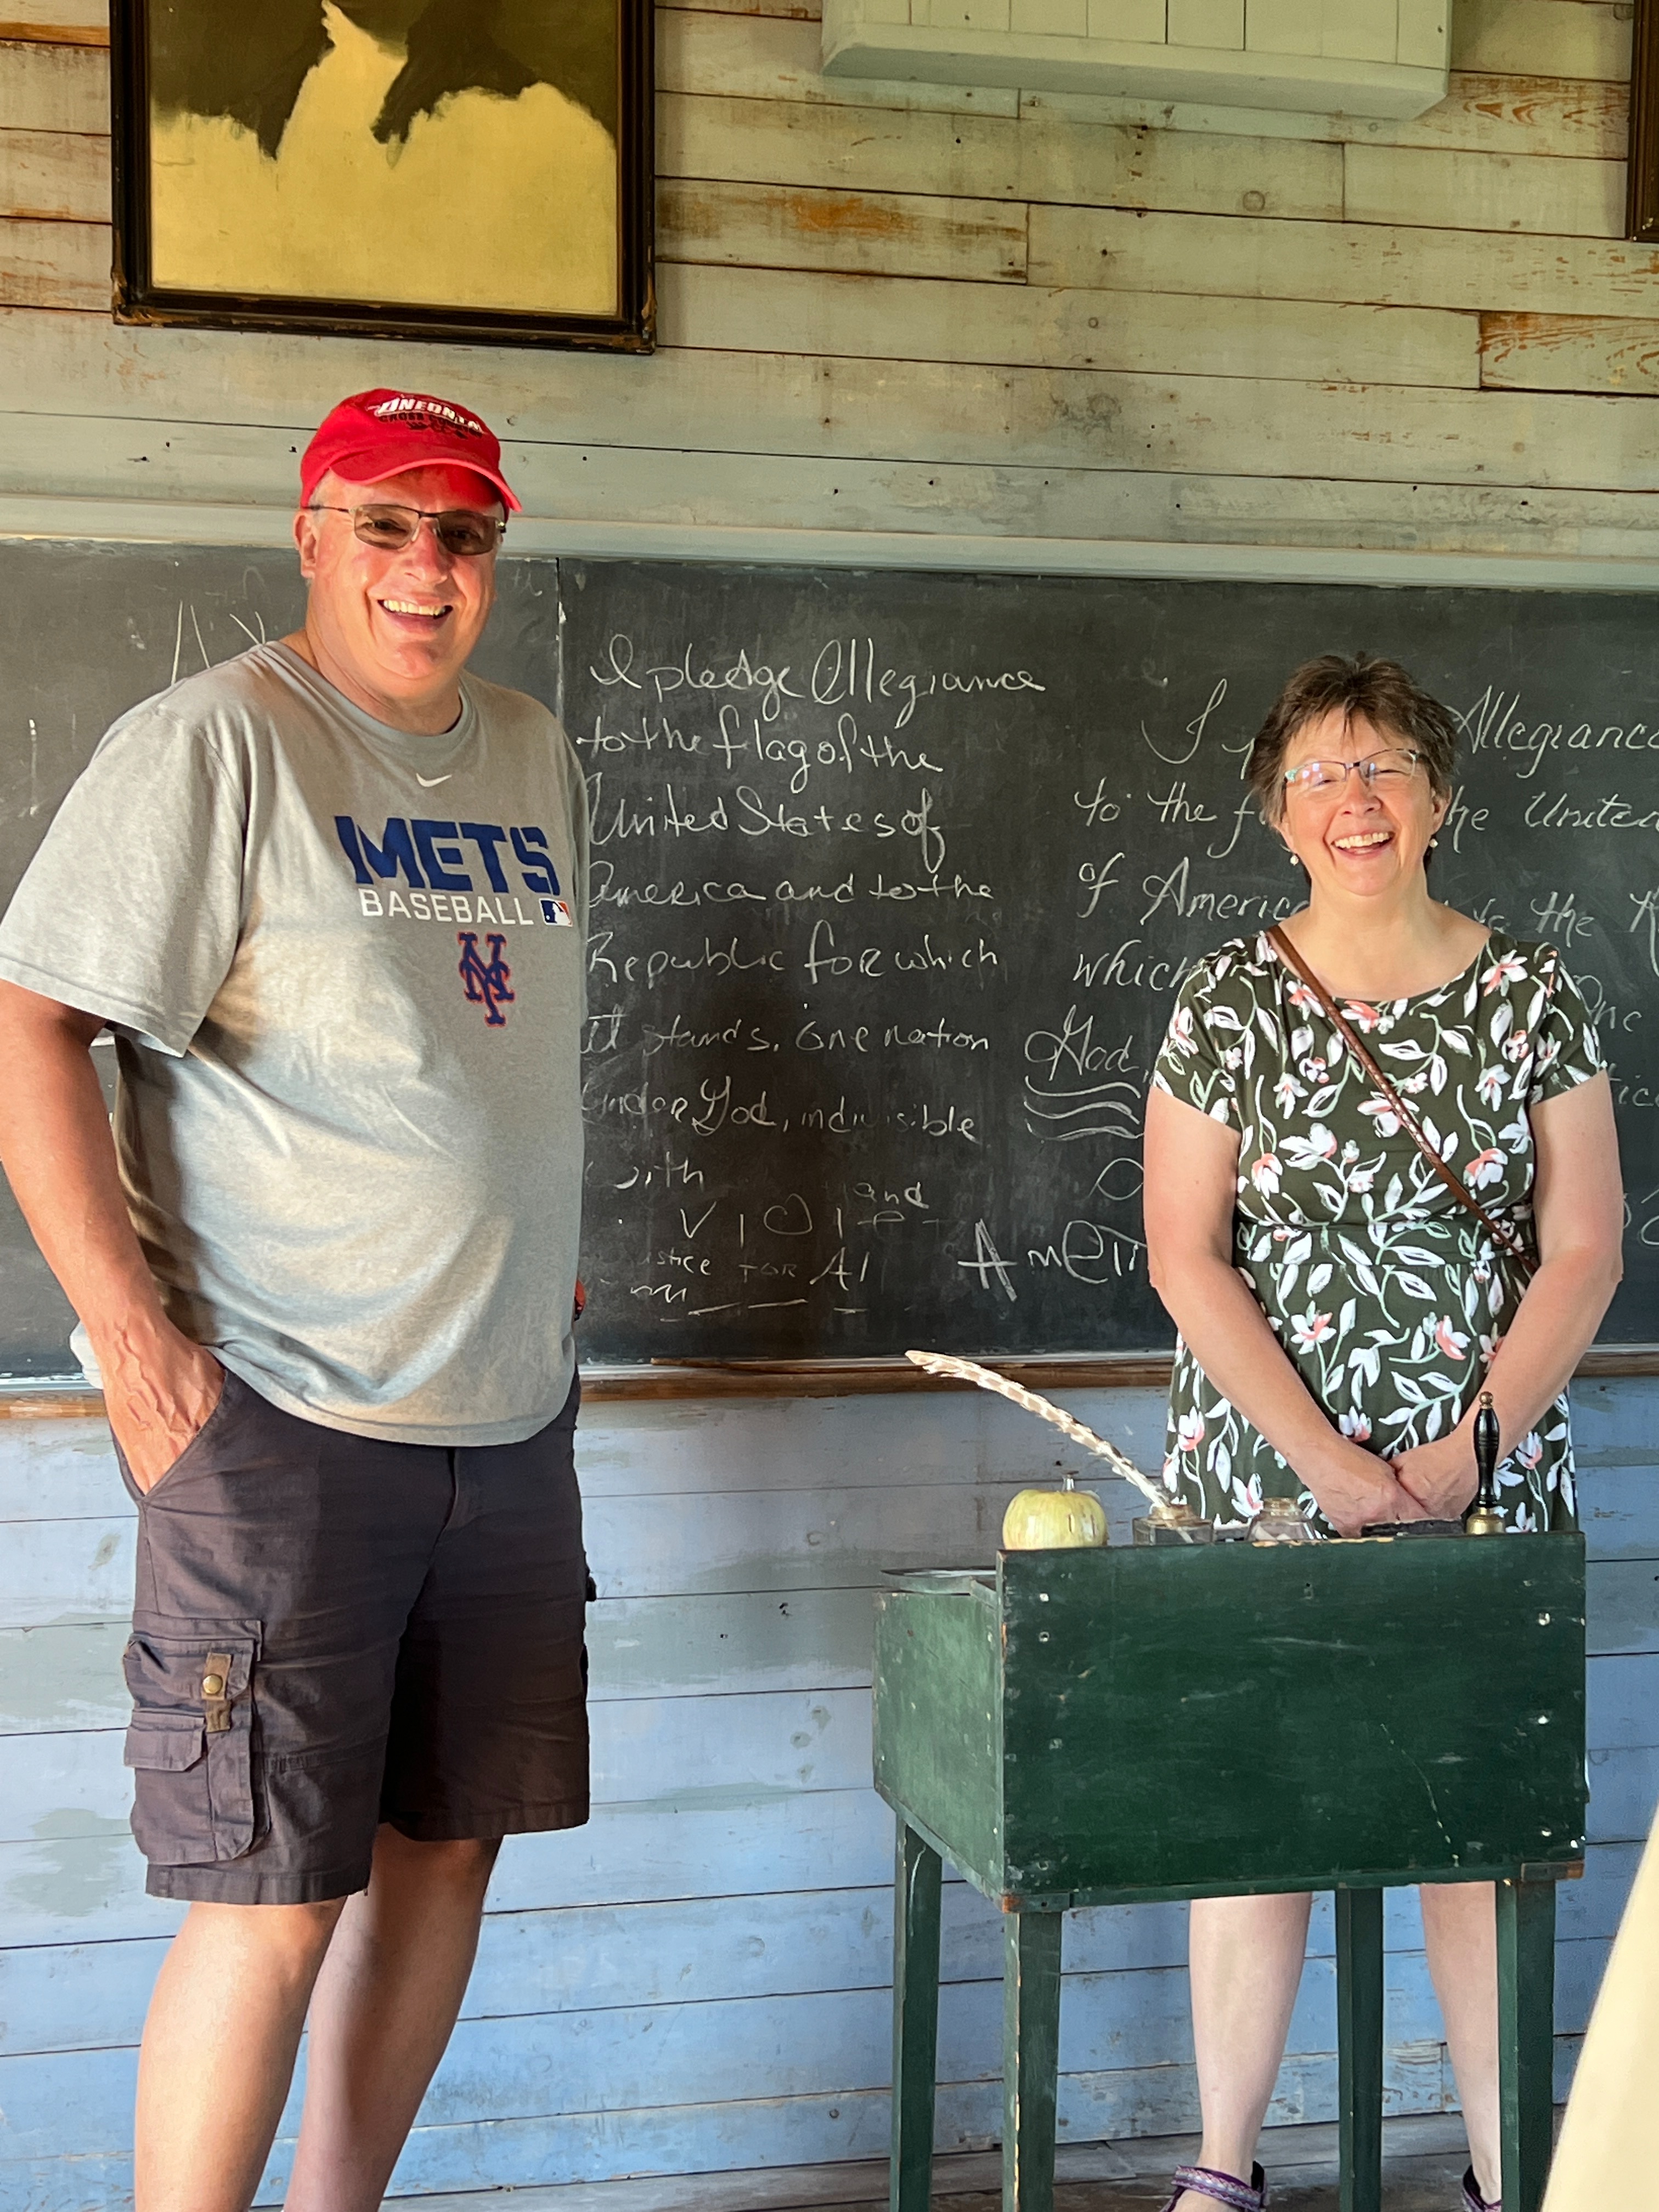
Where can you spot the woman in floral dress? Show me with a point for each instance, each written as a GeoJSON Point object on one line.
{"type": "Point", "coordinates": [1339, 1311]}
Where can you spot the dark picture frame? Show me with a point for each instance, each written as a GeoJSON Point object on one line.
{"type": "Point", "coordinates": [247, 105]}
{"type": "Point", "coordinates": [1642, 186]}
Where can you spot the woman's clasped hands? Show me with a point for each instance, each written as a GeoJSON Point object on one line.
{"type": "Point", "coordinates": [1353, 1487]}
{"type": "Point", "coordinates": [1441, 1476]}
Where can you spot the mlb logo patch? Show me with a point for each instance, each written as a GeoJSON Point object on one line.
{"type": "Point", "coordinates": [558, 911]}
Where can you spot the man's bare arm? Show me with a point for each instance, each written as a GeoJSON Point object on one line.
{"type": "Point", "coordinates": [58, 1154]}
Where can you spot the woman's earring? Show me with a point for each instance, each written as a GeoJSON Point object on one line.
{"type": "Point", "coordinates": [1433, 841]}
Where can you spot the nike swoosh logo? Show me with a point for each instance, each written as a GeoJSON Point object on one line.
{"type": "Point", "coordinates": [427, 783]}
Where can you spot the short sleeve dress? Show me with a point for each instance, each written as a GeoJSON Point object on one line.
{"type": "Point", "coordinates": [1389, 1296]}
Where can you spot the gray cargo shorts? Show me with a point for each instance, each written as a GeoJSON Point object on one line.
{"type": "Point", "coordinates": [331, 1631]}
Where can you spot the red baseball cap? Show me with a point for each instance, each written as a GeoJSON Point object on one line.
{"type": "Point", "coordinates": [376, 434]}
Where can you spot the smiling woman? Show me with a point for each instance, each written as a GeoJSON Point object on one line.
{"type": "Point", "coordinates": [1343, 1297]}
{"type": "Point", "coordinates": [1380, 1300]}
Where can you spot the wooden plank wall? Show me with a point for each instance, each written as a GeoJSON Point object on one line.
{"type": "Point", "coordinates": [697, 1982]}
{"type": "Point", "coordinates": [943, 313]}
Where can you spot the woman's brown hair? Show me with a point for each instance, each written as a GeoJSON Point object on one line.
{"type": "Point", "coordinates": [1365, 690]}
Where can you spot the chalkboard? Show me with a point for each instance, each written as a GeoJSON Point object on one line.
{"type": "Point", "coordinates": [895, 879]}
{"type": "Point", "coordinates": [895, 876]}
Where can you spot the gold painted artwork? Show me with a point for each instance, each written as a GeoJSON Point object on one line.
{"type": "Point", "coordinates": [486, 198]}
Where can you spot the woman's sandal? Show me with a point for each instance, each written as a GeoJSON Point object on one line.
{"type": "Point", "coordinates": [1473, 2201]}
{"type": "Point", "coordinates": [1227, 2189]}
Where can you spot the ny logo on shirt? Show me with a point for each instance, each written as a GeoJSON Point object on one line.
{"type": "Point", "coordinates": [488, 982]}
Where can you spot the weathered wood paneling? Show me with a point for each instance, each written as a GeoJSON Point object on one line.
{"type": "Point", "coordinates": [1465, 192]}
{"type": "Point", "coordinates": [55, 265]}
{"type": "Point", "coordinates": [1571, 353]}
{"type": "Point", "coordinates": [587, 2060]}
{"type": "Point", "coordinates": [802, 2131]}
{"type": "Point", "coordinates": [53, 87]}
{"type": "Point", "coordinates": [802, 11]}
{"type": "Point", "coordinates": [89, 1888]}
{"type": "Point", "coordinates": [1379, 263]}
{"type": "Point", "coordinates": [1623, 1606]}
{"type": "Point", "coordinates": [76, 22]}
{"type": "Point", "coordinates": [613, 502]}
{"type": "Point", "coordinates": [86, 368]}
{"type": "Point", "coordinates": [762, 312]}
{"type": "Point", "coordinates": [1484, 113]}
{"type": "Point", "coordinates": [853, 409]}
{"type": "Point", "coordinates": [58, 1471]}
{"type": "Point", "coordinates": [57, 175]}
{"type": "Point", "coordinates": [889, 234]}
{"type": "Point", "coordinates": [784, 142]}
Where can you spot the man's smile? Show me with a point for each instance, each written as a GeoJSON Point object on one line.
{"type": "Point", "coordinates": [422, 611]}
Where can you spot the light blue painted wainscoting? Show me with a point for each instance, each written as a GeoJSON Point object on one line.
{"type": "Point", "coordinates": [697, 1981]}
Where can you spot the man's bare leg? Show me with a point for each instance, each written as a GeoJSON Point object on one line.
{"type": "Point", "coordinates": [218, 2055]}
{"type": "Point", "coordinates": [384, 2007]}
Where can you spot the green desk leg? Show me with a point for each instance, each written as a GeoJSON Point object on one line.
{"type": "Point", "coordinates": [1031, 2058]}
{"type": "Point", "coordinates": [915, 2020]}
{"type": "Point", "coordinates": [1359, 2045]}
{"type": "Point", "coordinates": [1526, 2037]}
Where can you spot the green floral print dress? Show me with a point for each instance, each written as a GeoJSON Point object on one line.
{"type": "Point", "coordinates": [1389, 1298]}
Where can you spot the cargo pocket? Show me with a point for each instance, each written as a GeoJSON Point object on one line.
{"type": "Point", "coordinates": [191, 1743]}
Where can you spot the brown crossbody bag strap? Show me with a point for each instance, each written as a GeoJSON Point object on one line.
{"type": "Point", "coordinates": [1397, 1106]}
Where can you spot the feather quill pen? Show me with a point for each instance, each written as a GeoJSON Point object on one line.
{"type": "Point", "coordinates": [969, 1370]}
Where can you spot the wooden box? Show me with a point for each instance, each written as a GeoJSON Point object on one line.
{"type": "Point", "coordinates": [1090, 1725]}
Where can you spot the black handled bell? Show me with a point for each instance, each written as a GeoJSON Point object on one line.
{"type": "Point", "coordinates": [1484, 1516]}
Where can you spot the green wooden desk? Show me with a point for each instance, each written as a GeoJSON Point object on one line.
{"type": "Point", "coordinates": [1121, 1726]}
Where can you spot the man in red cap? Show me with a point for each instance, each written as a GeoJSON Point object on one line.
{"type": "Point", "coordinates": [327, 1267]}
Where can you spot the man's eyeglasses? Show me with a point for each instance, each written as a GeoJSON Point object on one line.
{"type": "Point", "coordinates": [389, 529]}
{"type": "Point", "coordinates": [1384, 771]}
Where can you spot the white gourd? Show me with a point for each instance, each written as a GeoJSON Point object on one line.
{"type": "Point", "coordinates": [1053, 1521]}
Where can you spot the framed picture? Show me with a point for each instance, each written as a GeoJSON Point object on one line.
{"type": "Point", "coordinates": [459, 169]}
{"type": "Point", "coordinates": [1642, 186]}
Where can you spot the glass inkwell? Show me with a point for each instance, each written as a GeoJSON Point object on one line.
{"type": "Point", "coordinates": [1173, 1522]}
{"type": "Point", "coordinates": [1280, 1522]}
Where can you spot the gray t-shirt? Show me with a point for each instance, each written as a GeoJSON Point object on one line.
{"type": "Point", "coordinates": [344, 969]}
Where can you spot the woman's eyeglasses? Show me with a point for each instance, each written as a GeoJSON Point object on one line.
{"type": "Point", "coordinates": [389, 529]}
{"type": "Point", "coordinates": [1384, 771]}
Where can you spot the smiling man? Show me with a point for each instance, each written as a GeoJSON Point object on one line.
{"type": "Point", "coordinates": [328, 1267]}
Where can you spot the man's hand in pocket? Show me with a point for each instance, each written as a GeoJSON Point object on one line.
{"type": "Point", "coordinates": [159, 1391]}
